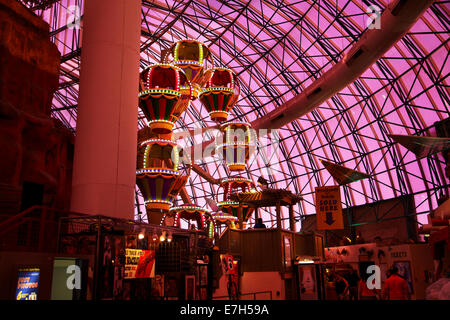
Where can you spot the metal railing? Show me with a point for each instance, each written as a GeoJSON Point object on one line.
{"type": "Point", "coordinates": [246, 294]}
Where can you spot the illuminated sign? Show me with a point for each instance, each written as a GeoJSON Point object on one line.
{"type": "Point", "coordinates": [27, 284]}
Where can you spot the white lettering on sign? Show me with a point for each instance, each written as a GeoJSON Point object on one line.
{"type": "Point", "coordinates": [374, 280]}
{"type": "Point", "coordinates": [74, 280]}
{"type": "Point", "coordinates": [401, 254]}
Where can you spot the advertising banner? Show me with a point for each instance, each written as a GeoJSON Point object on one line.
{"type": "Point", "coordinates": [329, 208]}
{"type": "Point", "coordinates": [139, 264]}
{"type": "Point", "coordinates": [307, 279]}
{"type": "Point", "coordinates": [27, 284]}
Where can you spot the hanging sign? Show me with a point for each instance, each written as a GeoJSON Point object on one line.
{"type": "Point", "coordinates": [27, 284]}
{"type": "Point", "coordinates": [329, 208]}
{"type": "Point", "coordinates": [139, 264]}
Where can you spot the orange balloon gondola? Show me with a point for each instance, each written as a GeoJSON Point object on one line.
{"type": "Point", "coordinates": [158, 176]}
{"type": "Point", "coordinates": [240, 143]}
{"type": "Point", "coordinates": [225, 218]}
{"type": "Point", "coordinates": [161, 97]}
{"type": "Point", "coordinates": [220, 94]}
{"type": "Point", "coordinates": [192, 56]}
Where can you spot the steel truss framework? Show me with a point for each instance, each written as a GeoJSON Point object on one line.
{"type": "Point", "coordinates": [278, 49]}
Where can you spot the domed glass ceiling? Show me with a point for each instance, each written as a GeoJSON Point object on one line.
{"type": "Point", "coordinates": [278, 48]}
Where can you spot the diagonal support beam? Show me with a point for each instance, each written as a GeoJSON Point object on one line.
{"type": "Point", "coordinates": [205, 175]}
{"type": "Point", "coordinates": [395, 22]}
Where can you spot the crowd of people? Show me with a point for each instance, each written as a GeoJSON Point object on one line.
{"type": "Point", "coordinates": [353, 287]}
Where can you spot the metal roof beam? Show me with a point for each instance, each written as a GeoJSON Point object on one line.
{"type": "Point", "coordinates": [395, 22]}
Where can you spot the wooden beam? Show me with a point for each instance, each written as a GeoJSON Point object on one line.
{"type": "Point", "coordinates": [291, 218]}
{"type": "Point", "coordinates": [241, 218]}
{"type": "Point", "coordinates": [278, 211]}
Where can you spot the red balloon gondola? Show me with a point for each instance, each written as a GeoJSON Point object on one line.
{"type": "Point", "coordinates": [231, 208]}
{"type": "Point", "coordinates": [190, 212]}
{"type": "Point", "coordinates": [234, 185]}
{"type": "Point", "coordinates": [161, 97]}
{"type": "Point", "coordinates": [220, 94]}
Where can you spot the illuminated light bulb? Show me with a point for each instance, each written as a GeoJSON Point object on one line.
{"type": "Point", "coordinates": [141, 236]}
{"type": "Point", "coordinates": [162, 238]}
{"type": "Point", "coordinates": [200, 52]}
{"type": "Point", "coordinates": [175, 54]}
{"type": "Point", "coordinates": [169, 238]}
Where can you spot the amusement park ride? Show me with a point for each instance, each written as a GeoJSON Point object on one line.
{"type": "Point", "coordinates": [188, 73]}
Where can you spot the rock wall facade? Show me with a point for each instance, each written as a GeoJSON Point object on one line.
{"type": "Point", "coordinates": [34, 147]}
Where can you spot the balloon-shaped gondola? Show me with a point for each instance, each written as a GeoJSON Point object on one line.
{"type": "Point", "coordinates": [158, 176]}
{"type": "Point", "coordinates": [161, 98]}
{"type": "Point", "coordinates": [195, 59]}
{"type": "Point", "coordinates": [220, 94]}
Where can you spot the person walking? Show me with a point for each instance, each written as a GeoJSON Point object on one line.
{"type": "Point", "coordinates": [353, 282]}
{"type": "Point", "coordinates": [395, 287]}
{"type": "Point", "coordinates": [341, 286]}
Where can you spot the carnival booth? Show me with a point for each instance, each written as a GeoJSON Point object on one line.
{"type": "Point", "coordinates": [265, 264]}
{"type": "Point", "coordinates": [135, 261]}
{"type": "Point", "coordinates": [414, 262]}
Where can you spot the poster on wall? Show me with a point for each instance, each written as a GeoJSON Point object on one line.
{"type": "Point", "coordinates": [27, 284]}
{"type": "Point", "coordinates": [287, 252]}
{"type": "Point", "coordinates": [203, 294]}
{"type": "Point", "coordinates": [139, 264]}
{"type": "Point", "coordinates": [329, 208]}
{"type": "Point", "coordinates": [201, 281]}
{"type": "Point", "coordinates": [307, 279]}
{"type": "Point", "coordinates": [190, 287]}
{"type": "Point", "coordinates": [171, 288]}
{"type": "Point", "coordinates": [202, 275]}
{"type": "Point", "coordinates": [106, 278]}
{"type": "Point", "coordinates": [404, 271]}
{"type": "Point", "coordinates": [158, 286]}
{"type": "Point", "coordinates": [118, 282]}
{"type": "Point", "coordinates": [228, 266]}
